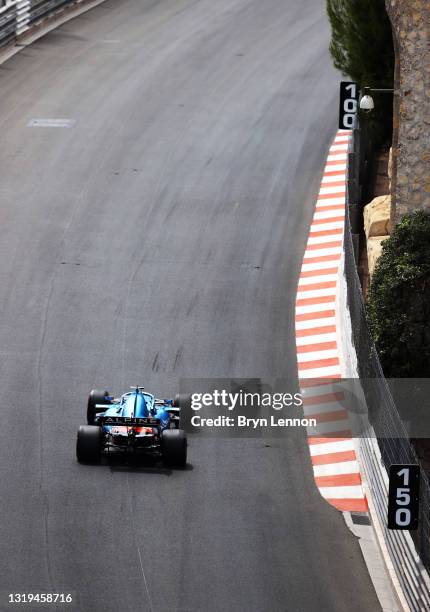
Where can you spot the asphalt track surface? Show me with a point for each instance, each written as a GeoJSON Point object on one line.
{"type": "Point", "coordinates": [159, 237]}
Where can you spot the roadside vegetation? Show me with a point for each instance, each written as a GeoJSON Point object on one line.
{"type": "Point", "coordinates": [362, 45]}
{"type": "Point", "coordinates": [362, 49]}
{"type": "Point", "coordinates": [398, 304]}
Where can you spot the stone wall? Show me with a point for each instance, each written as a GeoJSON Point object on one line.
{"type": "Point", "coordinates": [411, 139]}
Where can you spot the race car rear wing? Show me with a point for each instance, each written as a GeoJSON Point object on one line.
{"type": "Point", "coordinates": [102, 407]}
{"type": "Point", "coordinates": [129, 421]}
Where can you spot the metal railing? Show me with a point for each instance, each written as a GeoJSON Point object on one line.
{"type": "Point", "coordinates": [409, 551]}
{"type": "Point", "coordinates": [8, 15]}
{"type": "Point", "coordinates": [18, 16]}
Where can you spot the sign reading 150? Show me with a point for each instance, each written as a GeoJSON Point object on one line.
{"type": "Point", "coordinates": [403, 497]}
{"type": "Point", "coordinates": [348, 104]}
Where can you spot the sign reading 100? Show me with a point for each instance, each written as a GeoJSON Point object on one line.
{"type": "Point", "coordinates": [349, 94]}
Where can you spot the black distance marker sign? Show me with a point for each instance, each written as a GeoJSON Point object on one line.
{"type": "Point", "coordinates": [403, 497]}
{"type": "Point", "coordinates": [348, 104]}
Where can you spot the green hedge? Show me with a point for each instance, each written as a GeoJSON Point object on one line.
{"type": "Point", "coordinates": [398, 304]}
{"type": "Point", "coordinates": [362, 48]}
{"type": "Point", "coordinates": [362, 41]}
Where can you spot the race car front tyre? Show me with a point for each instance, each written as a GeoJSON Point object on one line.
{"type": "Point", "coordinates": [89, 444]}
{"type": "Point", "coordinates": [95, 397]}
{"type": "Point", "coordinates": [174, 447]}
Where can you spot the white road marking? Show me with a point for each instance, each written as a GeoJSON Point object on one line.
{"type": "Point", "coordinates": [330, 202]}
{"type": "Point", "coordinates": [315, 323]}
{"type": "Point", "coordinates": [333, 179]}
{"type": "Point", "coordinates": [351, 492]}
{"type": "Point", "coordinates": [145, 581]}
{"type": "Point", "coordinates": [329, 427]}
{"type": "Point", "coordinates": [337, 157]}
{"type": "Point", "coordinates": [339, 146]}
{"type": "Point", "coordinates": [321, 389]}
{"type": "Point", "coordinates": [320, 265]}
{"type": "Point", "coordinates": [316, 293]}
{"type": "Point", "coordinates": [324, 227]}
{"type": "Point", "coordinates": [328, 214]}
{"type": "Point", "coordinates": [333, 189]}
{"type": "Point", "coordinates": [333, 469]}
{"type": "Point", "coordinates": [321, 408]}
{"type": "Point", "coordinates": [335, 167]}
{"type": "Point", "coordinates": [316, 339]}
{"type": "Point", "coordinates": [51, 123]}
{"type": "Point", "coordinates": [320, 373]}
{"type": "Point", "coordinates": [327, 448]}
{"type": "Point", "coordinates": [321, 240]}
{"type": "Point", "coordinates": [312, 280]}
{"type": "Point", "coordinates": [314, 308]}
{"type": "Point", "coordinates": [317, 355]}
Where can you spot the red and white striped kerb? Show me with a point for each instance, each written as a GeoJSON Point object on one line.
{"type": "Point", "coordinates": [333, 456]}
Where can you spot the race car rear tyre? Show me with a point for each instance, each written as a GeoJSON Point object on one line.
{"type": "Point", "coordinates": [89, 444]}
{"type": "Point", "coordinates": [174, 447]}
{"type": "Point", "coordinates": [182, 400]}
{"type": "Point", "coordinates": [95, 397]}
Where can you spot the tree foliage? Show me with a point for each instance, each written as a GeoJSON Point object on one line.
{"type": "Point", "coordinates": [398, 304]}
{"type": "Point", "coordinates": [362, 43]}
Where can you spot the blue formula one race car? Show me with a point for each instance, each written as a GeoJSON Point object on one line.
{"type": "Point", "coordinates": [136, 423]}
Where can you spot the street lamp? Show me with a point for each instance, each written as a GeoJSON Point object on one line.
{"type": "Point", "coordinates": [366, 101]}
